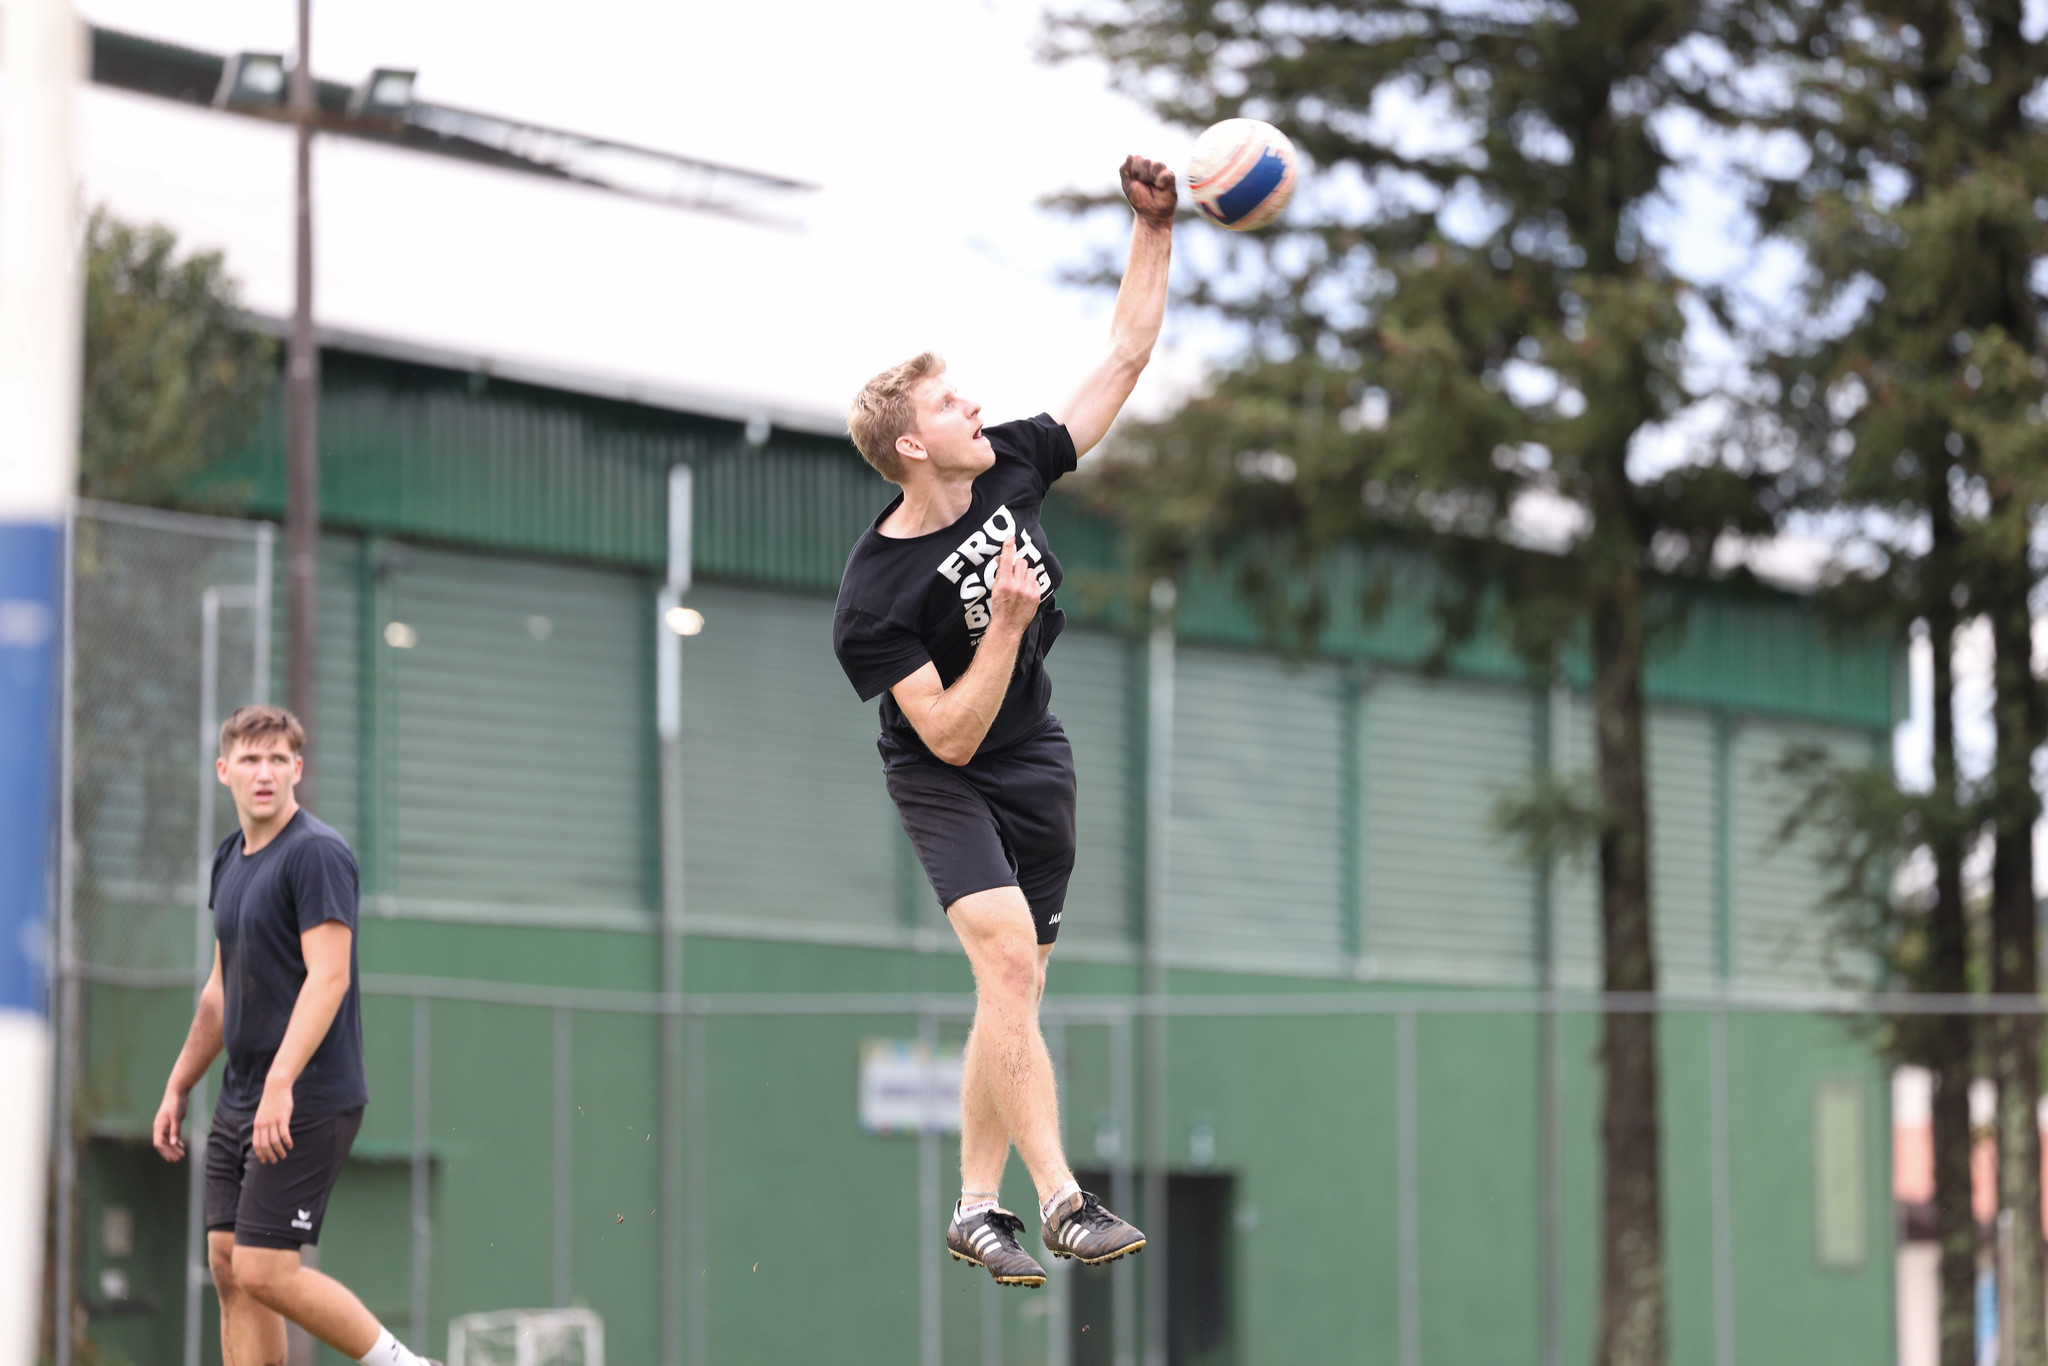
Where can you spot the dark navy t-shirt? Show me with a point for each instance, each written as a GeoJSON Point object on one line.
{"type": "Point", "coordinates": [908, 601]}
{"type": "Point", "coordinates": [262, 903]}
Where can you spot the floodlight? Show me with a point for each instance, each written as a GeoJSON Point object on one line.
{"type": "Point", "coordinates": [251, 80]}
{"type": "Point", "coordinates": [385, 94]}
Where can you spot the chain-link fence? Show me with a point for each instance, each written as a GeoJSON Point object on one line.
{"type": "Point", "coordinates": [1382, 1174]}
{"type": "Point", "coordinates": [168, 629]}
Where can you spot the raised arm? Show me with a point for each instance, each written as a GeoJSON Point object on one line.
{"type": "Point", "coordinates": [1140, 306]}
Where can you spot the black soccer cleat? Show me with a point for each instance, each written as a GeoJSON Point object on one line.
{"type": "Point", "coordinates": [989, 1239]}
{"type": "Point", "coordinates": [1082, 1229]}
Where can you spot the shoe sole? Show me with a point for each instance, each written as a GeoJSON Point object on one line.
{"type": "Point", "coordinates": [1106, 1258]}
{"type": "Point", "coordinates": [1028, 1282]}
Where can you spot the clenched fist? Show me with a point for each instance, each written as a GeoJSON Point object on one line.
{"type": "Point", "coordinates": [1151, 188]}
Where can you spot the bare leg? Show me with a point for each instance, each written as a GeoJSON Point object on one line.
{"type": "Point", "coordinates": [250, 1333]}
{"type": "Point", "coordinates": [984, 1142]}
{"type": "Point", "coordinates": [1007, 1051]}
{"type": "Point", "coordinates": [317, 1303]}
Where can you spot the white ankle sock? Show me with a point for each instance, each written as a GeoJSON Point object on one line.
{"type": "Point", "coordinates": [973, 1203]}
{"type": "Point", "coordinates": [1057, 1198]}
{"type": "Point", "coordinates": [389, 1351]}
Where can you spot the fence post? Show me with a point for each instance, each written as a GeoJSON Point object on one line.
{"type": "Point", "coordinates": [422, 1210]}
{"type": "Point", "coordinates": [1407, 1194]}
{"type": "Point", "coordinates": [565, 1197]}
{"type": "Point", "coordinates": [931, 1242]}
{"type": "Point", "coordinates": [1159, 683]}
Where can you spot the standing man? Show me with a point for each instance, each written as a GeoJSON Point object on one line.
{"type": "Point", "coordinates": [284, 1001]}
{"type": "Point", "coordinates": [946, 611]}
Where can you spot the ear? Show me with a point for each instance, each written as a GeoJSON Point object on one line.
{"type": "Point", "coordinates": [298, 768]}
{"type": "Point", "coordinates": [220, 768]}
{"type": "Point", "coordinates": [911, 448]}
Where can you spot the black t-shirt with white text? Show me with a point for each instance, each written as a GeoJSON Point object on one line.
{"type": "Point", "coordinates": [262, 903]}
{"type": "Point", "coordinates": [912, 600]}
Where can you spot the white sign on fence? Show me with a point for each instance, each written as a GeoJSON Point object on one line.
{"type": "Point", "coordinates": [907, 1088]}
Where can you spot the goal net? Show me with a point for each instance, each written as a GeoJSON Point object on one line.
{"type": "Point", "coordinates": [527, 1337]}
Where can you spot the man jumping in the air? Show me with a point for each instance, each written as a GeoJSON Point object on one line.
{"type": "Point", "coordinates": [947, 607]}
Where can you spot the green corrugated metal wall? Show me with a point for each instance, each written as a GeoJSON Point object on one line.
{"type": "Point", "coordinates": [520, 740]}
{"type": "Point", "coordinates": [1683, 871]}
{"type": "Point", "coordinates": [1257, 840]}
{"type": "Point", "coordinates": [438, 455]}
{"type": "Point", "coordinates": [780, 757]}
{"type": "Point", "coordinates": [1321, 811]}
{"type": "Point", "coordinates": [1445, 898]}
{"type": "Point", "coordinates": [1778, 940]}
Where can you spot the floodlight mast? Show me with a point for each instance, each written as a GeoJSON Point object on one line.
{"type": "Point", "coordinates": [302, 423]}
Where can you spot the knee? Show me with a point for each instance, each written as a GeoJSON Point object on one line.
{"type": "Point", "coordinates": [221, 1261]}
{"type": "Point", "coordinates": [262, 1272]}
{"type": "Point", "coordinates": [1012, 973]}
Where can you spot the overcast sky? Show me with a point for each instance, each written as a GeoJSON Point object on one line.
{"type": "Point", "coordinates": [930, 124]}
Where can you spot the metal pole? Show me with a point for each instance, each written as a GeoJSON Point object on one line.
{"type": "Point", "coordinates": [43, 47]}
{"type": "Point", "coordinates": [1407, 1194]}
{"type": "Point", "coordinates": [1058, 1321]}
{"type": "Point", "coordinates": [302, 422]}
{"type": "Point", "coordinates": [68, 986]}
{"type": "Point", "coordinates": [695, 1221]}
{"type": "Point", "coordinates": [266, 545]}
{"type": "Point", "coordinates": [422, 1193]}
{"type": "Point", "coordinates": [196, 1271]}
{"type": "Point", "coordinates": [1158, 832]}
{"type": "Point", "coordinates": [1720, 1172]}
{"type": "Point", "coordinates": [564, 1161]}
{"type": "Point", "coordinates": [1553, 740]}
{"type": "Point", "coordinates": [1123, 1183]}
{"type": "Point", "coordinates": [931, 1236]}
{"type": "Point", "coordinates": [668, 724]}
{"type": "Point", "coordinates": [991, 1322]}
{"type": "Point", "coordinates": [1720, 1177]}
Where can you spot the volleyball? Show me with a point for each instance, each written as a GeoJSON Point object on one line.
{"type": "Point", "coordinates": [1242, 173]}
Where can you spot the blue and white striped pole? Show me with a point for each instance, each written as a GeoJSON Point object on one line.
{"type": "Point", "coordinates": [42, 55]}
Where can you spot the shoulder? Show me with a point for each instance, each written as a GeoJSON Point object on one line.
{"type": "Point", "coordinates": [870, 582]}
{"type": "Point", "coordinates": [1041, 443]}
{"type": "Point", "coordinates": [226, 847]}
{"type": "Point", "coordinates": [316, 844]}
{"type": "Point", "coordinates": [1028, 436]}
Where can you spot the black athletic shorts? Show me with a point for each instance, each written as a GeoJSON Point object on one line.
{"type": "Point", "coordinates": [275, 1204]}
{"type": "Point", "coordinates": [1003, 820]}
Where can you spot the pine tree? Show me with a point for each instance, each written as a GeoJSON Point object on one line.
{"type": "Point", "coordinates": [1923, 419]}
{"type": "Point", "coordinates": [1461, 325]}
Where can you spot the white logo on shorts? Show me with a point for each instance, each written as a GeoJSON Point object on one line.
{"type": "Point", "coordinates": [304, 1221]}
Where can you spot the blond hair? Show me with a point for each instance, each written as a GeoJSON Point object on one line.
{"type": "Point", "coordinates": [882, 411]}
{"type": "Point", "coordinates": [259, 722]}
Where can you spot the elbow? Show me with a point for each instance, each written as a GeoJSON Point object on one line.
{"type": "Point", "coordinates": [1130, 356]}
{"type": "Point", "coordinates": [956, 755]}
